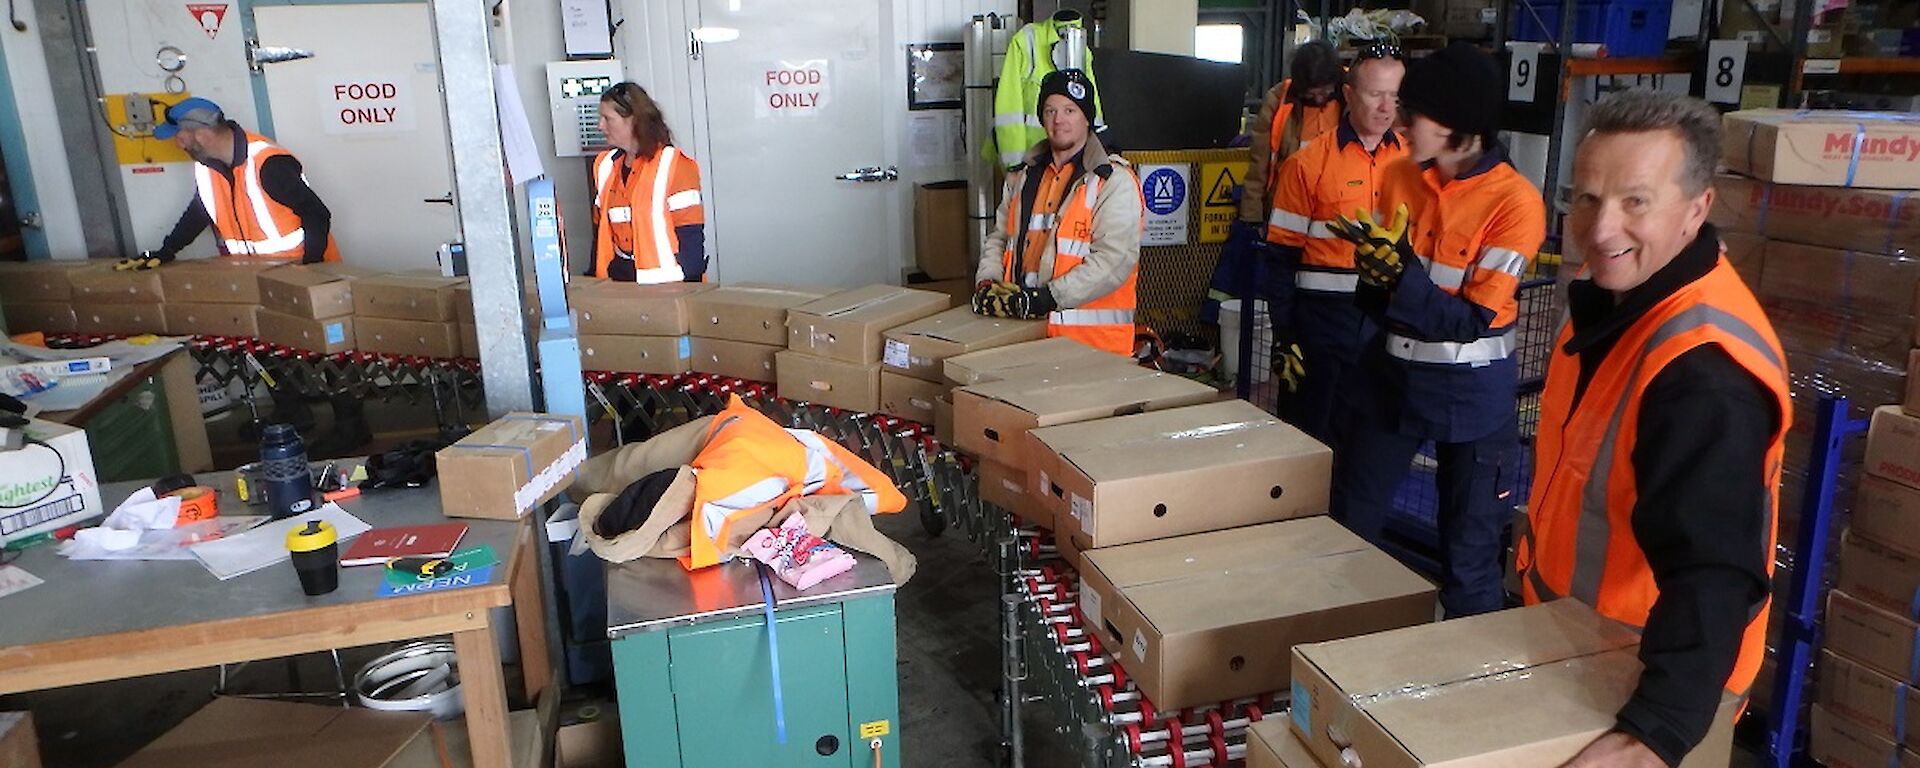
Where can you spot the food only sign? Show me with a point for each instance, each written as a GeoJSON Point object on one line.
{"type": "Point", "coordinates": [367, 104]}
{"type": "Point", "coordinates": [792, 88]}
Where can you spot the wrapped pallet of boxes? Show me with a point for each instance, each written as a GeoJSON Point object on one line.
{"type": "Point", "coordinates": [1874, 150]}
{"type": "Point", "coordinates": [992, 420]}
{"type": "Point", "coordinates": [48, 483]}
{"type": "Point", "coordinates": [309, 306]}
{"type": "Point", "coordinates": [117, 303]}
{"type": "Point", "coordinates": [407, 314]}
{"type": "Point", "coordinates": [505, 468]}
{"type": "Point", "coordinates": [1885, 221]}
{"type": "Point", "coordinates": [1177, 471]}
{"type": "Point", "coordinates": [1893, 446]}
{"type": "Point", "coordinates": [634, 328]}
{"type": "Point", "coordinates": [1878, 637]}
{"type": "Point", "coordinates": [1207, 618]}
{"type": "Point", "coordinates": [1422, 696]}
{"type": "Point", "coordinates": [38, 296]}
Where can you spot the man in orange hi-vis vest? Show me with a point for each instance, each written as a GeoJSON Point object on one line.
{"type": "Point", "coordinates": [1662, 429]}
{"type": "Point", "coordinates": [249, 190]}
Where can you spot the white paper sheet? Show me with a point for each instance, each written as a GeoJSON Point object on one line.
{"type": "Point", "coordinates": [267, 544]}
{"type": "Point", "coordinates": [516, 134]}
{"type": "Point", "coordinates": [14, 579]}
{"type": "Point", "coordinates": [121, 353]}
{"type": "Point", "coordinates": [171, 544]}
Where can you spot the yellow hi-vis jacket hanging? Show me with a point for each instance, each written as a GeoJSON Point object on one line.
{"type": "Point", "coordinates": [245, 219]}
{"type": "Point", "coordinates": [635, 213]}
{"type": "Point", "coordinates": [750, 465]}
{"type": "Point", "coordinates": [1016, 108]}
{"type": "Point", "coordinates": [1579, 540]}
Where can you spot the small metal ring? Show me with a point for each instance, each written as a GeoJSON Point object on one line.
{"type": "Point", "coordinates": [179, 59]}
{"type": "Point", "coordinates": [175, 84]}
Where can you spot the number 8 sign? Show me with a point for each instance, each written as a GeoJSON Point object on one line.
{"type": "Point", "coordinates": [1726, 70]}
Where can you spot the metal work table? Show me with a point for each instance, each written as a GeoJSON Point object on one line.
{"type": "Point", "coordinates": [651, 594]}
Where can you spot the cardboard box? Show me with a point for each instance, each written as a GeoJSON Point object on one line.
{"type": "Point", "coordinates": [219, 280]}
{"type": "Point", "coordinates": [941, 247]}
{"type": "Point", "coordinates": [18, 746]}
{"type": "Point", "coordinates": [631, 309]}
{"type": "Point", "coordinates": [998, 363]}
{"type": "Point", "coordinates": [588, 743]}
{"type": "Point", "coordinates": [463, 302]}
{"type": "Point", "coordinates": [330, 336]}
{"type": "Point", "coordinates": [1871, 220]}
{"type": "Point", "coordinates": [846, 326]}
{"type": "Point", "coordinates": [943, 418]}
{"type": "Point", "coordinates": [1837, 742]}
{"type": "Point", "coordinates": [738, 359]}
{"type": "Point", "coordinates": [37, 494]}
{"type": "Point", "coordinates": [1271, 744]}
{"type": "Point", "coordinates": [211, 319]}
{"type": "Point", "coordinates": [909, 398]}
{"type": "Point", "coordinates": [102, 285]}
{"type": "Point", "coordinates": [832, 383]}
{"type": "Point", "coordinates": [310, 291]}
{"type": "Point", "coordinates": [1879, 574]}
{"type": "Point", "coordinates": [39, 281]}
{"type": "Point", "coordinates": [409, 338]}
{"type": "Point", "coordinates": [1746, 251]}
{"type": "Point", "coordinates": [920, 349]}
{"type": "Point", "coordinates": [1884, 706]}
{"type": "Point", "coordinates": [39, 316]}
{"type": "Point", "coordinates": [1873, 150]}
{"type": "Point", "coordinates": [1191, 628]}
{"type": "Point", "coordinates": [1178, 471]}
{"type": "Point", "coordinates": [755, 313]}
{"type": "Point", "coordinates": [1010, 488]}
{"type": "Point", "coordinates": [1888, 513]}
{"type": "Point", "coordinates": [470, 340]}
{"type": "Point", "coordinates": [991, 420]}
{"type": "Point", "coordinates": [960, 290]}
{"type": "Point", "coordinates": [122, 319]}
{"type": "Point", "coordinates": [505, 468]}
{"type": "Point", "coordinates": [1893, 446]}
{"type": "Point", "coordinates": [406, 297]}
{"type": "Point", "coordinates": [1824, 301]}
{"type": "Point", "coordinates": [232, 732]}
{"type": "Point", "coordinates": [1870, 635]}
{"type": "Point", "coordinates": [636, 354]}
{"type": "Point", "coordinates": [1399, 696]}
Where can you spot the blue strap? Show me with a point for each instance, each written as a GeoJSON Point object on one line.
{"type": "Point", "coordinates": [1900, 714]}
{"type": "Point", "coordinates": [1859, 142]}
{"type": "Point", "coordinates": [773, 651]}
{"type": "Point", "coordinates": [1766, 202]}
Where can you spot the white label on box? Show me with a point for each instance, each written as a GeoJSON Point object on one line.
{"type": "Point", "coordinates": [1082, 509]}
{"type": "Point", "coordinates": [1045, 488]}
{"type": "Point", "coordinates": [897, 356]}
{"type": "Point", "coordinates": [1090, 608]}
{"type": "Point", "coordinates": [1139, 645]}
{"type": "Point", "coordinates": [1821, 66]}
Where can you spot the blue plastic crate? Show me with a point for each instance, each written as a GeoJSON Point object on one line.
{"type": "Point", "coordinates": [1628, 28]}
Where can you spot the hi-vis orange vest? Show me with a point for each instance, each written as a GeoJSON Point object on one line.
{"type": "Point", "coordinates": [635, 214]}
{"type": "Point", "coordinates": [750, 466]}
{"type": "Point", "coordinates": [246, 220]}
{"type": "Point", "coordinates": [1105, 323]}
{"type": "Point", "coordinates": [1313, 122]}
{"type": "Point", "coordinates": [1581, 542]}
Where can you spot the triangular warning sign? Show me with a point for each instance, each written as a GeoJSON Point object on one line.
{"type": "Point", "coordinates": [1220, 192]}
{"type": "Point", "coordinates": [208, 16]}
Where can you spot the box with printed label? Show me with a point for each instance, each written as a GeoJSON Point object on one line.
{"type": "Point", "coordinates": [1178, 471]}
{"type": "Point", "coordinates": [505, 468]}
{"type": "Point", "coordinates": [665, 355]}
{"type": "Point", "coordinates": [832, 383]}
{"type": "Point", "coordinates": [1835, 741]}
{"type": "Point", "coordinates": [1207, 618]}
{"type": "Point", "coordinates": [219, 280]}
{"type": "Point", "coordinates": [102, 285]}
{"type": "Point", "coordinates": [846, 326]}
{"type": "Point", "coordinates": [632, 309]}
{"type": "Point", "coordinates": [311, 291]}
{"type": "Point", "coordinates": [1881, 221]}
{"type": "Point", "coordinates": [1421, 697]}
{"type": "Point", "coordinates": [406, 297]}
{"type": "Point", "coordinates": [211, 319]}
{"type": "Point", "coordinates": [992, 420]}
{"type": "Point", "coordinates": [1887, 512]}
{"type": "Point", "coordinates": [40, 281]}
{"type": "Point", "coordinates": [1885, 706]}
{"type": "Point", "coordinates": [738, 359]}
{"type": "Point", "coordinates": [38, 316]}
{"type": "Point", "coordinates": [920, 348]}
{"type": "Point", "coordinates": [1879, 574]}
{"type": "Point", "coordinates": [1893, 446]}
{"type": "Point", "coordinates": [1271, 744]}
{"type": "Point", "coordinates": [47, 484]}
{"type": "Point", "coordinates": [1010, 489]}
{"type": "Point", "coordinates": [909, 398]}
{"type": "Point", "coordinates": [1838, 303]}
{"type": "Point", "coordinates": [1000, 362]}
{"type": "Point", "coordinates": [755, 313]}
{"type": "Point", "coordinates": [119, 319]}
{"type": "Point", "coordinates": [1878, 150]}
{"type": "Point", "coordinates": [1871, 635]}
{"type": "Point", "coordinates": [329, 336]}
{"type": "Point", "coordinates": [410, 338]}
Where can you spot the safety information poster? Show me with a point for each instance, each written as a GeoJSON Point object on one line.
{"type": "Point", "coordinates": [1168, 190]}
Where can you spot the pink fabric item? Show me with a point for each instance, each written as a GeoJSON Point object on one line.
{"type": "Point", "coordinates": [799, 558]}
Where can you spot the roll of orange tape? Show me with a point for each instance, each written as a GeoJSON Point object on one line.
{"type": "Point", "coordinates": [197, 503]}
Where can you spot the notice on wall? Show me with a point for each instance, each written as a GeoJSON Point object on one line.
{"type": "Point", "coordinates": [1218, 205]}
{"type": "Point", "coordinates": [368, 104]}
{"type": "Point", "coordinates": [799, 88]}
{"type": "Point", "coordinates": [1169, 191]}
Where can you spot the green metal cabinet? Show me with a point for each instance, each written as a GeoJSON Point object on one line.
{"type": "Point", "coordinates": [132, 438]}
{"type": "Point", "coordinates": [695, 680]}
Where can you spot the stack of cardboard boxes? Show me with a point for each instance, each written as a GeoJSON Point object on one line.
{"type": "Point", "coordinates": [38, 296]}
{"type": "Point", "coordinates": [913, 357]}
{"type": "Point", "coordinates": [214, 297]}
{"type": "Point", "coordinates": [109, 302]}
{"type": "Point", "coordinates": [309, 307]}
{"type": "Point", "coordinates": [407, 314]}
{"type": "Point", "coordinates": [633, 328]}
{"type": "Point", "coordinates": [736, 330]}
{"type": "Point", "coordinates": [834, 344]}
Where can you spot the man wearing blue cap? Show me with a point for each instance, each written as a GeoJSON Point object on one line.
{"type": "Point", "coordinates": [250, 190]}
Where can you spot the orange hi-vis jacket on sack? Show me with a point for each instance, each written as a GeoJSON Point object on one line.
{"type": "Point", "coordinates": [1333, 177]}
{"type": "Point", "coordinates": [749, 465]}
{"type": "Point", "coordinates": [245, 219]}
{"type": "Point", "coordinates": [636, 212]}
{"type": "Point", "coordinates": [1581, 542]}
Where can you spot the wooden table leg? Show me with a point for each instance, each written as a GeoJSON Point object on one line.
{"type": "Point", "coordinates": [485, 690]}
{"type": "Point", "coordinates": [530, 609]}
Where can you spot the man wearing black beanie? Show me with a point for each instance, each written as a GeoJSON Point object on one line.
{"type": "Point", "coordinates": [1440, 281]}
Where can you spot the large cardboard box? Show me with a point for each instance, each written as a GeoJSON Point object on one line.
{"type": "Point", "coordinates": [233, 732]}
{"type": "Point", "coordinates": [18, 746]}
{"type": "Point", "coordinates": [755, 313]}
{"type": "Point", "coordinates": [1190, 622]}
{"type": "Point", "coordinates": [847, 325]}
{"type": "Point", "coordinates": [39, 281]}
{"type": "Point", "coordinates": [1838, 742]}
{"type": "Point", "coordinates": [1883, 705]}
{"type": "Point", "coordinates": [631, 309]}
{"type": "Point", "coordinates": [1010, 489]}
{"type": "Point", "coordinates": [410, 338]}
{"type": "Point", "coordinates": [1879, 574]}
{"type": "Point", "coordinates": [406, 297]}
{"type": "Point", "coordinates": [941, 247]}
{"type": "Point", "coordinates": [1875, 150]}
{"type": "Point", "coordinates": [1178, 471]}
{"type": "Point", "coordinates": [330, 336]}
{"type": "Point", "coordinates": [44, 491]}
{"type": "Point", "coordinates": [909, 398]}
{"type": "Point", "coordinates": [664, 355]}
{"type": "Point", "coordinates": [39, 316]}
{"type": "Point", "coordinates": [1893, 446]}
{"type": "Point", "coordinates": [1271, 744]}
{"type": "Point", "coordinates": [1824, 301]}
{"type": "Point", "coordinates": [1871, 635]}
{"type": "Point", "coordinates": [311, 291]}
{"type": "Point", "coordinates": [1422, 696]}
{"type": "Point", "coordinates": [992, 420]}
{"type": "Point", "coordinates": [211, 319]}
{"type": "Point", "coordinates": [1887, 512]}
{"type": "Point", "coordinates": [1001, 362]}
{"type": "Point", "coordinates": [832, 383]}
{"type": "Point", "coordinates": [219, 280]}
{"type": "Point", "coordinates": [738, 359]}
{"type": "Point", "coordinates": [1872, 220]}
{"type": "Point", "coordinates": [920, 349]}
{"type": "Point", "coordinates": [505, 468]}
{"type": "Point", "coordinates": [102, 285]}
{"type": "Point", "coordinates": [123, 319]}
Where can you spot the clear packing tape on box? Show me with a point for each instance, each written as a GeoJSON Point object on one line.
{"type": "Point", "coordinates": [1860, 120]}
{"type": "Point", "coordinates": [542, 480]}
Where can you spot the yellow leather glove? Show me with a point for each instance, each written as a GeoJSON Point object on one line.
{"type": "Point", "coordinates": [1380, 253]}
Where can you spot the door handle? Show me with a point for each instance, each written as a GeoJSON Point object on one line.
{"type": "Point", "coordinates": [447, 199]}
{"type": "Point", "coordinates": [871, 174]}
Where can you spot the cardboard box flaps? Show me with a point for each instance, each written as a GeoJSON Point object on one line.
{"type": "Point", "coordinates": [231, 732]}
{"type": "Point", "coordinates": [994, 364]}
{"type": "Point", "coordinates": [503, 469]}
{"type": "Point", "coordinates": [991, 420]}
{"type": "Point", "coordinates": [847, 326]}
{"type": "Point", "coordinates": [920, 348]}
{"type": "Point", "coordinates": [310, 291]}
{"type": "Point", "coordinates": [833, 383]}
{"type": "Point", "coordinates": [754, 313]}
{"type": "Point", "coordinates": [1825, 147]}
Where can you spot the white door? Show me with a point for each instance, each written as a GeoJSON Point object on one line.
{"type": "Point", "coordinates": [794, 98]}
{"type": "Point", "coordinates": [365, 117]}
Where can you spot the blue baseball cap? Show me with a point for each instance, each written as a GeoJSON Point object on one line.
{"type": "Point", "coordinates": [195, 112]}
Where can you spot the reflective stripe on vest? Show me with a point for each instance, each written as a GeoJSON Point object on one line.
{"type": "Point", "coordinates": [1477, 352]}
{"type": "Point", "coordinates": [1447, 277]}
{"type": "Point", "coordinates": [1331, 282]}
{"type": "Point", "coordinates": [272, 238]}
{"type": "Point", "coordinates": [647, 217]}
{"type": "Point", "coordinates": [1504, 260]}
{"type": "Point", "coordinates": [1091, 317]}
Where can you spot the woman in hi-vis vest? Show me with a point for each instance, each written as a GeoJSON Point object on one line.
{"type": "Point", "coordinates": [647, 218]}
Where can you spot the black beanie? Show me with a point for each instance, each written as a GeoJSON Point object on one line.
{"type": "Point", "coordinates": [1458, 86]}
{"type": "Point", "coordinates": [1073, 84]}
